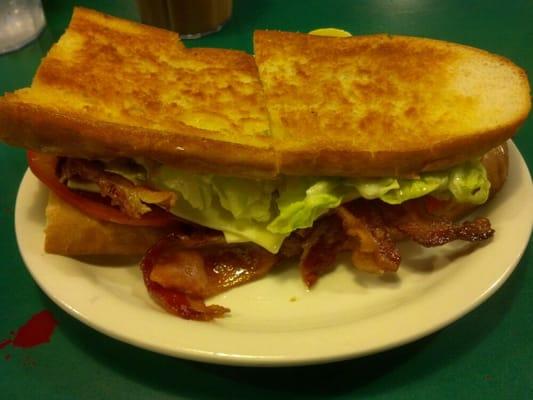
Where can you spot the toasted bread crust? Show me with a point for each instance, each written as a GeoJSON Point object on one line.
{"type": "Point", "coordinates": [118, 30]}
{"type": "Point", "coordinates": [405, 163]}
{"type": "Point", "coordinates": [76, 135]}
{"type": "Point", "coordinates": [110, 87]}
{"type": "Point", "coordinates": [375, 105]}
{"type": "Point", "coordinates": [385, 105]}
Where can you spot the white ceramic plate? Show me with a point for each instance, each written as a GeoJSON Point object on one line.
{"type": "Point", "coordinates": [276, 321]}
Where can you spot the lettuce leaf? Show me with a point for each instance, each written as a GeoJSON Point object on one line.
{"type": "Point", "coordinates": [238, 207]}
{"type": "Point", "coordinates": [302, 200]}
{"type": "Point", "coordinates": [412, 188]}
{"type": "Point", "coordinates": [245, 198]}
{"type": "Point", "coordinates": [236, 230]}
{"type": "Point", "coordinates": [266, 212]}
{"type": "Point", "coordinates": [196, 189]}
{"type": "Point", "coordinates": [468, 183]}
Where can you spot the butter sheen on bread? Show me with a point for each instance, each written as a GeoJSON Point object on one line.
{"type": "Point", "coordinates": [376, 105]}
{"type": "Point", "coordinates": [385, 105]}
{"type": "Point", "coordinates": [110, 88]}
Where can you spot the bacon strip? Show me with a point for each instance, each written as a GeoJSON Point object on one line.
{"type": "Point", "coordinates": [131, 199]}
{"type": "Point", "coordinates": [413, 221]}
{"type": "Point", "coordinates": [320, 248]}
{"type": "Point", "coordinates": [370, 230]}
{"type": "Point", "coordinates": [373, 249]}
{"type": "Point", "coordinates": [182, 269]}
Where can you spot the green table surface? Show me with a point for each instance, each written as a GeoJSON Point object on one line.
{"type": "Point", "coordinates": [486, 354]}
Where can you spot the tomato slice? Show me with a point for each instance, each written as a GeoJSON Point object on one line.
{"type": "Point", "coordinates": [44, 167]}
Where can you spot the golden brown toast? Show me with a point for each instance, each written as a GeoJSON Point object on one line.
{"type": "Point", "coordinates": [112, 87]}
{"type": "Point", "coordinates": [361, 106]}
{"type": "Point", "coordinates": [385, 105]}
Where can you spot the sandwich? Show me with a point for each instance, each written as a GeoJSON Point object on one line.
{"type": "Point", "coordinates": [214, 165]}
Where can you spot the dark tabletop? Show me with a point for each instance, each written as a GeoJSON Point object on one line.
{"type": "Point", "coordinates": [486, 354]}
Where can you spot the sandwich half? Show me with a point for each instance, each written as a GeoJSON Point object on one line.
{"type": "Point", "coordinates": [217, 165]}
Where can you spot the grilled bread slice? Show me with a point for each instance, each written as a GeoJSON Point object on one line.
{"type": "Point", "coordinates": [360, 106]}
{"type": "Point", "coordinates": [384, 105]}
{"type": "Point", "coordinates": [112, 88]}
{"type": "Point", "coordinates": [70, 232]}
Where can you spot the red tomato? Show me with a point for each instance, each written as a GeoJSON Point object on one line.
{"type": "Point", "coordinates": [44, 167]}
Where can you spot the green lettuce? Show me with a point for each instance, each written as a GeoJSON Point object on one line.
{"type": "Point", "coordinates": [245, 198]}
{"type": "Point", "coordinates": [238, 207]}
{"type": "Point", "coordinates": [302, 200]}
{"type": "Point", "coordinates": [468, 183]}
{"type": "Point", "coordinates": [196, 189]}
{"type": "Point", "coordinates": [266, 212]}
{"type": "Point", "coordinates": [235, 230]}
{"type": "Point", "coordinates": [408, 189]}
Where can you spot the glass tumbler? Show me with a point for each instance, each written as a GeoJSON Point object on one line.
{"type": "Point", "coordinates": [21, 21]}
{"type": "Point", "coordinates": [191, 18]}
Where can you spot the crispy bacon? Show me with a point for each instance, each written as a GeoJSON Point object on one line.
{"type": "Point", "coordinates": [182, 269]}
{"type": "Point", "coordinates": [373, 249]}
{"type": "Point", "coordinates": [413, 220]}
{"type": "Point", "coordinates": [320, 247]}
{"type": "Point", "coordinates": [370, 230]}
{"type": "Point", "coordinates": [131, 199]}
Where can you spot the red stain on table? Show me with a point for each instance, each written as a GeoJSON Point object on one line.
{"type": "Point", "coordinates": [38, 330]}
